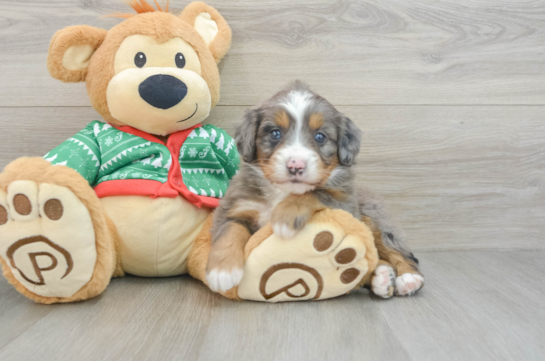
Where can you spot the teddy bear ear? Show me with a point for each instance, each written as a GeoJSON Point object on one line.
{"type": "Point", "coordinates": [70, 51]}
{"type": "Point", "coordinates": [210, 25]}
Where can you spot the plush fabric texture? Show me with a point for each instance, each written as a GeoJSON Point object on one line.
{"type": "Point", "coordinates": [166, 85]}
{"type": "Point", "coordinates": [84, 53]}
{"type": "Point", "coordinates": [161, 26]}
{"type": "Point", "coordinates": [331, 256]}
{"type": "Point", "coordinates": [208, 158]}
{"type": "Point", "coordinates": [328, 258]}
{"type": "Point", "coordinates": [40, 171]}
{"type": "Point", "coordinates": [49, 240]}
{"type": "Point", "coordinates": [62, 41]}
{"type": "Point", "coordinates": [198, 256]}
{"type": "Point", "coordinates": [156, 234]}
{"type": "Point", "coordinates": [142, 6]}
{"type": "Point", "coordinates": [222, 41]}
{"type": "Point", "coordinates": [77, 57]}
{"type": "Point", "coordinates": [206, 27]}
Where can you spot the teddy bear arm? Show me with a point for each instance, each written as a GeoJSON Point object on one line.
{"type": "Point", "coordinates": [81, 153]}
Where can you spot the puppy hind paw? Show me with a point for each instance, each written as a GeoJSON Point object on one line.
{"type": "Point", "coordinates": [408, 283]}
{"type": "Point", "coordinates": [383, 282]}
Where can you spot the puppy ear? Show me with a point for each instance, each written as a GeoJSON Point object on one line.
{"type": "Point", "coordinates": [349, 141]}
{"type": "Point", "coordinates": [246, 134]}
{"type": "Point", "coordinates": [70, 51]}
{"type": "Point", "coordinates": [210, 25]}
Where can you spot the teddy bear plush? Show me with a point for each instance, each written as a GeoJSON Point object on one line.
{"type": "Point", "coordinates": [133, 193]}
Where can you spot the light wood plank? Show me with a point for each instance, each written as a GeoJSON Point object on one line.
{"type": "Point", "coordinates": [458, 177]}
{"type": "Point", "coordinates": [16, 317]}
{"type": "Point", "coordinates": [353, 52]}
{"type": "Point", "coordinates": [483, 306]}
{"type": "Point", "coordinates": [455, 177]}
{"type": "Point", "coordinates": [475, 306]}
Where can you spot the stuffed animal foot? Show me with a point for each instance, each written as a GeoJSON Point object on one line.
{"type": "Point", "coordinates": [48, 243]}
{"type": "Point", "coordinates": [328, 258]}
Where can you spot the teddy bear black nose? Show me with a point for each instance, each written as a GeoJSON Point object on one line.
{"type": "Point", "coordinates": [162, 91]}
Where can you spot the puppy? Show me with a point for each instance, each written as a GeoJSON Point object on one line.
{"type": "Point", "coordinates": [297, 153]}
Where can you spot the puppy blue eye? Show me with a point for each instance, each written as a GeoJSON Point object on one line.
{"type": "Point", "coordinates": [276, 134]}
{"type": "Point", "coordinates": [319, 137]}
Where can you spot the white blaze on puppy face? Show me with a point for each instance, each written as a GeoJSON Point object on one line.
{"type": "Point", "coordinates": [296, 104]}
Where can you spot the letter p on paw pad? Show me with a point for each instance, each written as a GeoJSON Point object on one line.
{"type": "Point", "coordinates": [328, 258]}
{"type": "Point", "coordinates": [47, 238]}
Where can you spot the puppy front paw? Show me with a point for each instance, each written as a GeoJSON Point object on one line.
{"type": "Point", "coordinates": [287, 224]}
{"type": "Point", "coordinates": [224, 269]}
{"type": "Point", "coordinates": [292, 214]}
{"type": "Point", "coordinates": [282, 230]}
{"type": "Point", "coordinates": [223, 280]}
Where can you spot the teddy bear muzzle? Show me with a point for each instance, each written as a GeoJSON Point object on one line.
{"type": "Point", "coordinates": [162, 91]}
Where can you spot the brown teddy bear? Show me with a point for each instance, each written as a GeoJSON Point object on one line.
{"type": "Point", "coordinates": [134, 193]}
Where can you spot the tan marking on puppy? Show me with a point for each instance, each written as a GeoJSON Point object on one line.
{"type": "Point", "coordinates": [292, 214]}
{"type": "Point", "coordinates": [227, 252]}
{"type": "Point", "coordinates": [268, 170]}
{"type": "Point", "coordinates": [253, 214]}
{"type": "Point", "coordinates": [199, 255]}
{"type": "Point", "coordinates": [392, 257]}
{"type": "Point", "coordinates": [249, 215]}
{"type": "Point", "coordinates": [337, 194]}
{"type": "Point", "coordinates": [265, 165]}
{"type": "Point", "coordinates": [316, 121]}
{"type": "Point", "coordinates": [281, 119]}
{"type": "Point", "coordinates": [226, 258]}
{"type": "Point", "coordinates": [325, 170]}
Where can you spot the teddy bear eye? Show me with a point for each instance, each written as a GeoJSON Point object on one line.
{"type": "Point", "coordinates": [140, 59]}
{"type": "Point", "coordinates": [180, 60]}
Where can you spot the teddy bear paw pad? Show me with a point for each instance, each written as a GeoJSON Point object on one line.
{"type": "Point", "coordinates": [320, 262]}
{"type": "Point", "coordinates": [47, 238]}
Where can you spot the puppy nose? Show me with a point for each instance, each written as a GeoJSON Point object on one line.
{"type": "Point", "coordinates": [296, 166]}
{"type": "Point", "coordinates": [162, 91]}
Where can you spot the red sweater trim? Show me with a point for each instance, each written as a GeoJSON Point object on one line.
{"type": "Point", "coordinates": [145, 187]}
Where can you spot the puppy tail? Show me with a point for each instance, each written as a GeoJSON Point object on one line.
{"type": "Point", "coordinates": [372, 205]}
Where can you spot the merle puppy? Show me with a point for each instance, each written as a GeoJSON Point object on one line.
{"type": "Point", "coordinates": [298, 152]}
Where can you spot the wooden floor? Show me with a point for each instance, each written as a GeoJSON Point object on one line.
{"type": "Point", "coordinates": [475, 306]}
{"type": "Point", "coordinates": [450, 96]}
